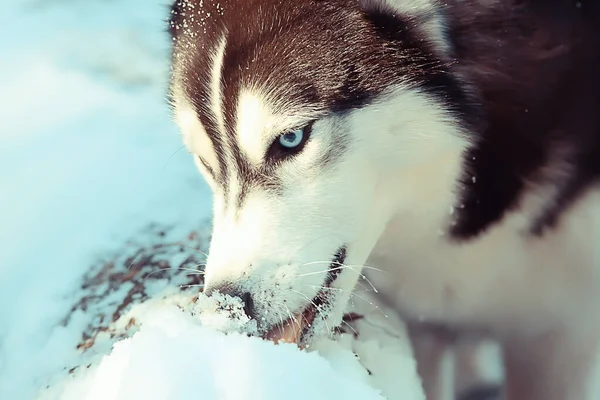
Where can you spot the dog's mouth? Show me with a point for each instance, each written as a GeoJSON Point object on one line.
{"type": "Point", "coordinates": [295, 329]}
{"type": "Point", "coordinates": [298, 329]}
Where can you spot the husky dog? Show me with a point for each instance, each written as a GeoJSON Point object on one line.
{"type": "Point", "coordinates": [447, 152]}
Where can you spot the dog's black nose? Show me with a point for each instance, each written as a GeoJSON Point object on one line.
{"type": "Point", "coordinates": [234, 291]}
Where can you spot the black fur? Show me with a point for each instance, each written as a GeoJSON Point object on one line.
{"type": "Point", "coordinates": [521, 75]}
{"type": "Point", "coordinates": [336, 266]}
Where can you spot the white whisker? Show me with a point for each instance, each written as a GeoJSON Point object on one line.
{"type": "Point", "coordinates": [348, 265]}
{"type": "Point", "coordinates": [363, 276]}
{"type": "Point", "coordinates": [352, 294]}
{"type": "Point", "coordinates": [194, 271]}
{"type": "Point", "coordinates": [351, 327]}
{"type": "Point", "coordinates": [341, 267]}
{"type": "Point", "coordinates": [321, 272]}
{"type": "Point", "coordinates": [316, 308]}
{"type": "Point", "coordinates": [293, 319]}
{"type": "Point", "coordinates": [191, 286]}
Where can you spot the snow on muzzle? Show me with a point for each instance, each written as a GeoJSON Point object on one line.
{"type": "Point", "coordinates": [300, 328]}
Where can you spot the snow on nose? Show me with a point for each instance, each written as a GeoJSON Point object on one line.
{"type": "Point", "coordinates": [234, 291]}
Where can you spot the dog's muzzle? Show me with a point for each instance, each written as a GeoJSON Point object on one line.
{"type": "Point", "coordinates": [300, 328]}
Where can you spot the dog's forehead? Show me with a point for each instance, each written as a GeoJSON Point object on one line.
{"type": "Point", "coordinates": [272, 47]}
{"type": "Point", "coordinates": [329, 54]}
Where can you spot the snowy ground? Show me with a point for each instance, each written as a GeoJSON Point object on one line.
{"type": "Point", "coordinates": [180, 351]}
{"type": "Point", "coordinates": [98, 197]}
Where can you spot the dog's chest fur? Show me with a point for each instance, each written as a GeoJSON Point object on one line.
{"type": "Point", "coordinates": [498, 281]}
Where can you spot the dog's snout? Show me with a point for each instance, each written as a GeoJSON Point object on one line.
{"type": "Point", "coordinates": [234, 291]}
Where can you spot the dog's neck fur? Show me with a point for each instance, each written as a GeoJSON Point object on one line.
{"type": "Point", "coordinates": [526, 59]}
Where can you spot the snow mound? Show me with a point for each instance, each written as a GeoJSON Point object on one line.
{"type": "Point", "coordinates": [207, 351]}
{"type": "Point", "coordinates": [173, 357]}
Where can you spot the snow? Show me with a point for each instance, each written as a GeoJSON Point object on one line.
{"type": "Point", "coordinates": [174, 358]}
{"type": "Point", "coordinates": [206, 352]}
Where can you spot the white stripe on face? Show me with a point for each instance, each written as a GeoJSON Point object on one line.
{"type": "Point", "coordinates": [195, 138]}
{"type": "Point", "coordinates": [252, 121]}
{"type": "Point", "coordinates": [216, 92]}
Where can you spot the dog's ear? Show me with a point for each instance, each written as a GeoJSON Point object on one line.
{"type": "Point", "coordinates": [423, 16]}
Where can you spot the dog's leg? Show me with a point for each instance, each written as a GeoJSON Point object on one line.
{"type": "Point", "coordinates": [478, 366]}
{"type": "Point", "coordinates": [468, 373]}
{"type": "Point", "coordinates": [556, 366]}
{"type": "Point", "coordinates": [432, 351]}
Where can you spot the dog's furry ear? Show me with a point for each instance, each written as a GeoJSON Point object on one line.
{"type": "Point", "coordinates": [425, 16]}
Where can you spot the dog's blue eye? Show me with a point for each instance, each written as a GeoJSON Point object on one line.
{"type": "Point", "coordinates": [292, 139]}
{"type": "Point", "coordinates": [289, 144]}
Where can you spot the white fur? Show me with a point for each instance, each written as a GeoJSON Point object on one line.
{"type": "Point", "coordinates": [261, 235]}
{"type": "Point", "coordinates": [194, 136]}
{"type": "Point", "coordinates": [216, 90]}
{"type": "Point", "coordinates": [252, 121]}
{"type": "Point", "coordinates": [502, 280]}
